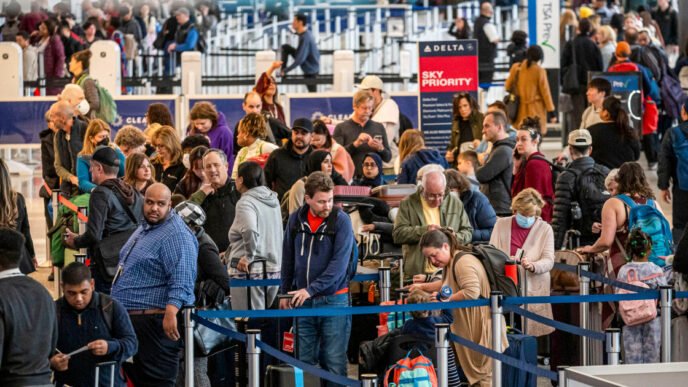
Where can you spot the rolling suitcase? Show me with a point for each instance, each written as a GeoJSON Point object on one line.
{"type": "Point", "coordinates": [521, 347]}
{"type": "Point", "coordinates": [109, 368]}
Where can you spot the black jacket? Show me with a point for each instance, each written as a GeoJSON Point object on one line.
{"type": "Point", "coordinates": [588, 58]}
{"type": "Point", "coordinates": [284, 167]}
{"type": "Point", "coordinates": [611, 149]}
{"type": "Point", "coordinates": [170, 176]}
{"type": "Point", "coordinates": [48, 159]}
{"type": "Point", "coordinates": [68, 151]}
{"type": "Point", "coordinates": [496, 174]}
{"type": "Point", "coordinates": [564, 194]}
{"type": "Point", "coordinates": [487, 51]}
{"type": "Point", "coordinates": [219, 210]}
{"type": "Point", "coordinates": [28, 253]}
{"type": "Point", "coordinates": [212, 279]}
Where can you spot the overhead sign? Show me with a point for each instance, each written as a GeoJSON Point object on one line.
{"type": "Point", "coordinates": [543, 23]}
{"type": "Point", "coordinates": [626, 87]}
{"type": "Point", "coordinates": [445, 69]}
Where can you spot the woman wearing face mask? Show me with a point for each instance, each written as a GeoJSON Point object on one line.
{"type": "Point", "coordinates": [532, 170]}
{"type": "Point", "coordinates": [372, 172]}
{"type": "Point", "coordinates": [206, 120]}
{"type": "Point", "coordinates": [467, 126]}
{"type": "Point", "coordinates": [78, 66]}
{"type": "Point", "coordinates": [318, 161]}
{"type": "Point", "coordinates": [527, 231]}
{"type": "Point", "coordinates": [97, 134]}
{"type": "Point", "coordinates": [138, 172]}
{"type": "Point", "coordinates": [194, 175]}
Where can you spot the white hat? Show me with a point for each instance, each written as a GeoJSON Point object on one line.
{"type": "Point", "coordinates": [371, 82]}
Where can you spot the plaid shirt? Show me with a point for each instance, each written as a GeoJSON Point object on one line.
{"type": "Point", "coordinates": [158, 266]}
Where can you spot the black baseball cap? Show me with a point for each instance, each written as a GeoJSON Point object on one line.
{"type": "Point", "coordinates": [303, 124]}
{"type": "Point", "coordinates": [106, 156]}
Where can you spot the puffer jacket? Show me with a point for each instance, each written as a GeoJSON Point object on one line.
{"type": "Point", "coordinates": [480, 213]}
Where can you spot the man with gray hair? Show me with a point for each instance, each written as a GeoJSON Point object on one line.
{"type": "Point", "coordinates": [360, 135]}
{"type": "Point", "coordinates": [430, 208]}
{"type": "Point", "coordinates": [68, 142]}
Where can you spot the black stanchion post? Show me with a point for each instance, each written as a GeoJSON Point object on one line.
{"type": "Point", "coordinates": [253, 354]}
{"type": "Point", "coordinates": [442, 345]}
{"type": "Point", "coordinates": [496, 309]}
{"type": "Point", "coordinates": [368, 380]}
{"type": "Point", "coordinates": [82, 225]}
{"type": "Point", "coordinates": [583, 309]}
{"type": "Point", "coordinates": [665, 293]}
{"type": "Point", "coordinates": [613, 345]}
{"type": "Point", "coordinates": [188, 347]}
{"type": "Point", "coordinates": [57, 272]}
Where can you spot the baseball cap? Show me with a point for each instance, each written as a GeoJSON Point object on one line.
{"type": "Point", "coordinates": [586, 12]}
{"type": "Point", "coordinates": [304, 124]}
{"type": "Point", "coordinates": [580, 137]}
{"type": "Point", "coordinates": [106, 156]}
{"type": "Point", "coordinates": [371, 82]}
{"type": "Point", "coordinates": [623, 49]}
{"type": "Point", "coordinates": [183, 10]}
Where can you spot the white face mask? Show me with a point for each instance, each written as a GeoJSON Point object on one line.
{"type": "Point", "coordinates": [83, 107]}
{"type": "Point", "coordinates": [185, 161]}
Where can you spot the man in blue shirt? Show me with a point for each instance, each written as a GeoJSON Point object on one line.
{"type": "Point", "coordinates": [315, 260]}
{"type": "Point", "coordinates": [305, 55]}
{"type": "Point", "coordinates": [91, 319]}
{"type": "Point", "coordinates": [155, 278]}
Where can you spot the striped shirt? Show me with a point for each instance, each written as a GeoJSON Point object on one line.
{"type": "Point", "coordinates": [157, 266]}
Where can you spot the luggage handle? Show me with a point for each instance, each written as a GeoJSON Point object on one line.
{"type": "Point", "coordinates": [263, 262]}
{"type": "Point", "coordinates": [112, 365]}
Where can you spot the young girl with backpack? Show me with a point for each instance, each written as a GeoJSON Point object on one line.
{"type": "Point", "coordinates": [641, 334]}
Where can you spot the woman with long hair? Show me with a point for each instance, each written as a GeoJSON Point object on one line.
{"type": "Point", "coordinates": [266, 87]}
{"type": "Point", "coordinates": [318, 161]}
{"type": "Point", "coordinates": [467, 126]}
{"type": "Point", "coordinates": [79, 65]}
{"type": "Point", "coordinates": [157, 116]}
{"type": "Point", "coordinates": [529, 80]}
{"type": "Point", "coordinates": [465, 277]}
{"type": "Point", "coordinates": [206, 120]}
{"type": "Point", "coordinates": [194, 175]}
{"type": "Point", "coordinates": [52, 48]}
{"type": "Point", "coordinates": [614, 140]}
{"type": "Point", "coordinates": [606, 41]}
{"type": "Point", "coordinates": [534, 170]}
{"type": "Point", "coordinates": [97, 134]}
{"type": "Point", "coordinates": [13, 215]}
{"type": "Point", "coordinates": [251, 134]}
{"type": "Point", "coordinates": [168, 165]}
{"type": "Point", "coordinates": [138, 172]}
{"type": "Point", "coordinates": [413, 156]}
{"type": "Point", "coordinates": [341, 159]}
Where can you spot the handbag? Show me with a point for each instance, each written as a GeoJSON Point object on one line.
{"type": "Point", "coordinates": [570, 83]}
{"type": "Point", "coordinates": [208, 340]}
{"type": "Point", "coordinates": [512, 100]}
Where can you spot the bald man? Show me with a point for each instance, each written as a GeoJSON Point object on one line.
{"type": "Point", "coordinates": [68, 142]}
{"type": "Point", "coordinates": [428, 209]}
{"type": "Point", "coordinates": [75, 97]}
{"type": "Point", "coordinates": [278, 133]}
{"type": "Point", "coordinates": [155, 278]}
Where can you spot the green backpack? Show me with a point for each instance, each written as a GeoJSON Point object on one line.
{"type": "Point", "coordinates": [108, 108]}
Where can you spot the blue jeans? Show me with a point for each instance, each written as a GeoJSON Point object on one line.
{"type": "Point", "coordinates": [323, 340]}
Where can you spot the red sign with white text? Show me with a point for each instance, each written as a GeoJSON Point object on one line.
{"type": "Point", "coordinates": [439, 74]}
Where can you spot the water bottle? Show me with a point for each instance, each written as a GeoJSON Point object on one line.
{"type": "Point", "coordinates": [444, 293]}
{"type": "Point", "coordinates": [576, 213]}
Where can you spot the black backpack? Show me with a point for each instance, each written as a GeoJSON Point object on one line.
{"type": "Point", "coordinates": [590, 194]}
{"type": "Point", "coordinates": [493, 260]}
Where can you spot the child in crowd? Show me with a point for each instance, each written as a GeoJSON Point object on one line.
{"type": "Point", "coordinates": [468, 161]}
{"type": "Point", "coordinates": [641, 341]}
{"type": "Point", "coordinates": [423, 326]}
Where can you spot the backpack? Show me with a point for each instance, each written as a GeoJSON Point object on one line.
{"type": "Point", "coordinates": [555, 168]}
{"type": "Point", "coordinates": [648, 218]}
{"type": "Point", "coordinates": [637, 312]}
{"type": "Point", "coordinates": [680, 145]}
{"type": "Point", "coordinates": [493, 260]}
{"type": "Point", "coordinates": [672, 94]}
{"type": "Point", "coordinates": [590, 194]}
{"type": "Point", "coordinates": [418, 372]}
{"type": "Point", "coordinates": [108, 107]}
{"type": "Point", "coordinates": [647, 57]}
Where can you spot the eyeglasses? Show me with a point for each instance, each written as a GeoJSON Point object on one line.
{"type": "Point", "coordinates": [437, 196]}
{"type": "Point", "coordinates": [369, 165]}
{"type": "Point", "coordinates": [157, 146]}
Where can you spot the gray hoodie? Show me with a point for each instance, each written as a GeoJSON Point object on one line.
{"type": "Point", "coordinates": [257, 229]}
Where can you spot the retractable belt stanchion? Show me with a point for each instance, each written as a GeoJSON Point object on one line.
{"type": "Point", "coordinates": [442, 345]}
{"type": "Point", "coordinates": [524, 293]}
{"type": "Point", "coordinates": [385, 284]}
{"type": "Point", "coordinates": [253, 354]}
{"type": "Point", "coordinates": [82, 225]}
{"type": "Point", "coordinates": [188, 347]}
{"type": "Point", "coordinates": [368, 380]}
{"type": "Point", "coordinates": [665, 293]}
{"type": "Point", "coordinates": [613, 345]}
{"type": "Point", "coordinates": [57, 272]}
{"type": "Point", "coordinates": [496, 310]}
{"type": "Point", "coordinates": [583, 310]}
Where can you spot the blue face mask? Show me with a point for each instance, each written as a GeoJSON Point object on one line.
{"type": "Point", "coordinates": [525, 221]}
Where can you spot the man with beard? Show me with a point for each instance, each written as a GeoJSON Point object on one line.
{"type": "Point", "coordinates": [315, 261]}
{"type": "Point", "coordinates": [288, 164]}
{"type": "Point", "coordinates": [217, 198]}
{"type": "Point", "coordinates": [155, 278]}
{"type": "Point", "coordinates": [277, 132]}
{"type": "Point", "coordinates": [115, 210]}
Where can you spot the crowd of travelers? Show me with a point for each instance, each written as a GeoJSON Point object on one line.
{"type": "Point", "coordinates": [175, 214]}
